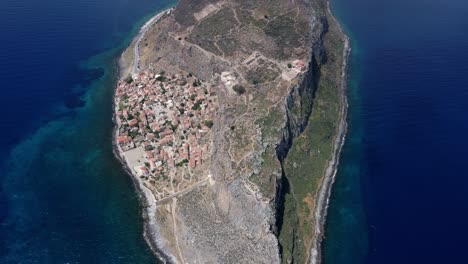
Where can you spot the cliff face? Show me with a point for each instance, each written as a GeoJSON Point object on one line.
{"type": "Point", "coordinates": [264, 60]}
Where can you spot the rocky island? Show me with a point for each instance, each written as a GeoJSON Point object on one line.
{"type": "Point", "coordinates": [230, 116]}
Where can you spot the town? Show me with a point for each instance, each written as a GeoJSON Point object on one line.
{"type": "Point", "coordinates": [164, 128]}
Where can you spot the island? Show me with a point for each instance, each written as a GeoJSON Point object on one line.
{"type": "Point", "coordinates": [230, 116]}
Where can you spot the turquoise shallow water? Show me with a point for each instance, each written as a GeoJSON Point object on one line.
{"type": "Point", "coordinates": [64, 197]}
{"type": "Point", "coordinates": [346, 231]}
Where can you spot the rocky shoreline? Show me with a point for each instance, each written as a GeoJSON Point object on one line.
{"type": "Point", "coordinates": [149, 229]}
{"type": "Point", "coordinates": [146, 198]}
{"type": "Point", "coordinates": [332, 169]}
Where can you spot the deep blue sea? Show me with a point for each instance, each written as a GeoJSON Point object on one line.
{"type": "Point", "coordinates": [401, 194]}
{"type": "Point", "coordinates": [63, 196]}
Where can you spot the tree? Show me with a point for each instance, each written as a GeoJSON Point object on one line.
{"type": "Point", "coordinates": [239, 89]}
{"type": "Point", "coordinates": [196, 106]}
{"type": "Point", "coordinates": [161, 78]}
{"type": "Point", "coordinates": [196, 83]}
{"type": "Point", "coordinates": [209, 123]}
{"type": "Point", "coordinates": [149, 148]}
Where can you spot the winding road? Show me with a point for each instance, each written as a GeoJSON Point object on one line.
{"type": "Point", "coordinates": [141, 34]}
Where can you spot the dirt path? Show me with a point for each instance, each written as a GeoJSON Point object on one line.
{"type": "Point", "coordinates": [184, 191]}
{"type": "Point", "coordinates": [179, 252]}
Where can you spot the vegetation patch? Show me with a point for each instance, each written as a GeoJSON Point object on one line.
{"type": "Point", "coordinates": [271, 168]}
{"type": "Point", "coordinates": [265, 72]}
{"type": "Point", "coordinates": [239, 89]}
{"type": "Point", "coordinates": [215, 27]}
{"type": "Point", "coordinates": [228, 45]}
{"type": "Point", "coordinates": [209, 123]}
{"type": "Point", "coordinates": [270, 123]}
{"type": "Point", "coordinates": [309, 155]}
{"type": "Point", "coordinates": [283, 30]}
{"type": "Point", "coordinates": [129, 79]}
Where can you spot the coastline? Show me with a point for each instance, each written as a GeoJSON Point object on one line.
{"type": "Point", "coordinates": [125, 70]}
{"type": "Point", "coordinates": [320, 213]}
{"type": "Point", "coordinates": [141, 33]}
{"type": "Point", "coordinates": [146, 198]}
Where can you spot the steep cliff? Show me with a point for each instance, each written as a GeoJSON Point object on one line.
{"type": "Point", "coordinates": [276, 71]}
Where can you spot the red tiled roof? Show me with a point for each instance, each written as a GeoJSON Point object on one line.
{"type": "Point", "coordinates": [121, 139]}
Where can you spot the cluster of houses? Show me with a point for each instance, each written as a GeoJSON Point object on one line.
{"type": "Point", "coordinates": [170, 116]}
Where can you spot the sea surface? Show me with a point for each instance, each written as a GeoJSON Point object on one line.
{"type": "Point", "coordinates": [64, 198]}
{"type": "Point", "coordinates": [401, 193]}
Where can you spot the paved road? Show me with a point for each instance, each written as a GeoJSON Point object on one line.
{"type": "Point", "coordinates": [143, 30]}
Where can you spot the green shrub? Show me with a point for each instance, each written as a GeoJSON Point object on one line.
{"type": "Point", "coordinates": [161, 78]}
{"type": "Point", "coordinates": [129, 79]}
{"type": "Point", "coordinates": [209, 123]}
{"type": "Point", "coordinates": [196, 83]}
{"type": "Point", "coordinates": [239, 89]}
{"type": "Point", "coordinates": [196, 106]}
{"type": "Point", "coordinates": [149, 147]}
